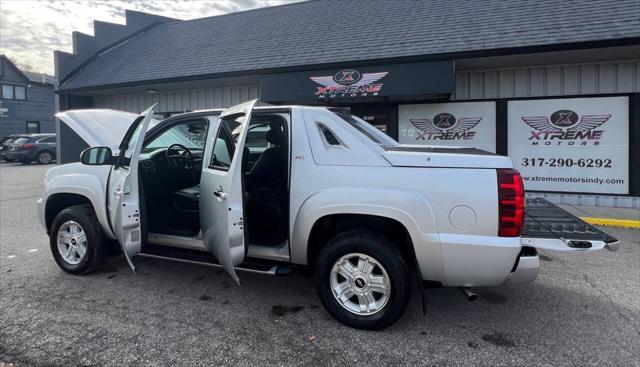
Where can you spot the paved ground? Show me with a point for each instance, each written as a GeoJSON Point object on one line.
{"type": "Point", "coordinates": [584, 309]}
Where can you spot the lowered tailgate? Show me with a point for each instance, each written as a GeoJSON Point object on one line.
{"type": "Point", "coordinates": [550, 227]}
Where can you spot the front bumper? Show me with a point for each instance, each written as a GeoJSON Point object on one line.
{"type": "Point", "coordinates": [41, 214]}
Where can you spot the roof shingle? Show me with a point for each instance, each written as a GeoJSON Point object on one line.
{"type": "Point", "coordinates": [330, 31]}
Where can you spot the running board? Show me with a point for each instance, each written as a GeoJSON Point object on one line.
{"type": "Point", "coordinates": [203, 258]}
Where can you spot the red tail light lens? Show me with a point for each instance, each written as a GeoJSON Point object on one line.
{"type": "Point", "coordinates": [26, 146]}
{"type": "Point", "coordinates": [511, 203]}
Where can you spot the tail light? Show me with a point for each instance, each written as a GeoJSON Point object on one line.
{"type": "Point", "coordinates": [511, 203]}
{"type": "Point", "coordinates": [26, 146]}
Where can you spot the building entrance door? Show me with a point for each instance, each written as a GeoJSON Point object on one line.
{"type": "Point", "coordinates": [376, 115]}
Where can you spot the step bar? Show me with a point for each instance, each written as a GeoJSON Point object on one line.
{"type": "Point", "coordinates": [200, 258]}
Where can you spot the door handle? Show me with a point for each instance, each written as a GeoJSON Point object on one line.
{"type": "Point", "coordinates": [221, 194]}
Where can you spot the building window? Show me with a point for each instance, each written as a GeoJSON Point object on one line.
{"type": "Point", "coordinates": [14, 92]}
{"type": "Point", "coordinates": [7, 91]}
{"type": "Point", "coordinates": [19, 92]}
{"type": "Point", "coordinates": [33, 127]}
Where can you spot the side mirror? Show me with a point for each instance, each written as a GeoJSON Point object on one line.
{"type": "Point", "coordinates": [96, 156]}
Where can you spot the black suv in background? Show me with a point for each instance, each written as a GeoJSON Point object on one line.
{"type": "Point", "coordinates": [32, 147]}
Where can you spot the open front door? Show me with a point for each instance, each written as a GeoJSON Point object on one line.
{"type": "Point", "coordinates": [221, 187]}
{"type": "Point", "coordinates": [549, 227]}
{"type": "Point", "coordinates": [123, 191]}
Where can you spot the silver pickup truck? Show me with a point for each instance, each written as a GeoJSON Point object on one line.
{"type": "Point", "coordinates": [271, 189]}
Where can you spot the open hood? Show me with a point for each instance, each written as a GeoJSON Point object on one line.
{"type": "Point", "coordinates": [100, 127]}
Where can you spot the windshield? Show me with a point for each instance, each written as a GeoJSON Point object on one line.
{"type": "Point", "coordinates": [367, 130]}
{"type": "Point", "coordinates": [191, 134]}
{"type": "Point", "coordinates": [21, 141]}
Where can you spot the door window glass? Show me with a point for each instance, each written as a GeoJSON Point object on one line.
{"type": "Point", "coordinates": [224, 146]}
{"type": "Point", "coordinates": [51, 139]}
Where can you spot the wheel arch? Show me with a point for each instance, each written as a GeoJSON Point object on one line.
{"type": "Point", "coordinates": [395, 213]}
{"type": "Point", "coordinates": [328, 226]}
{"type": "Point", "coordinates": [64, 192]}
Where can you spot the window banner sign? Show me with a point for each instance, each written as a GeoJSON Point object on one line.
{"type": "Point", "coordinates": [571, 145]}
{"type": "Point", "coordinates": [349, 83]}
{"type": "Point", "coordinates": [465, 124]}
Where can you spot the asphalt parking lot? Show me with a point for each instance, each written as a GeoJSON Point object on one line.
{"type": "Point", "coordinates": [584, 309]}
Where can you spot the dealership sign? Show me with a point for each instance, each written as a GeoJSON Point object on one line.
{"type": "Point", "coordinates": [571, 145]}
{"type": "Point", "coordinates": [467, 124]}
{"type": "Point", "coordinates": [351, 83]}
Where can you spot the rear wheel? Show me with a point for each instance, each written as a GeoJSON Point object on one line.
{"type": "Point", "coordinates": [76, 240]}
{"type": "Point", "coordinates": [44, 157]}
{"type": "Point", "coordinates": [362, 279]}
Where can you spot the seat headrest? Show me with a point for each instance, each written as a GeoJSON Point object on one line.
{"type": "Point", "coordinates": [275, 134]}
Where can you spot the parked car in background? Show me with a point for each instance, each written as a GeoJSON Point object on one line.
{"type": "Point", "coordinates": [5, 143]}
{"type": "Point", "coordinates": [32, 147]}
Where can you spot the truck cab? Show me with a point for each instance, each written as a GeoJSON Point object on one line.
{"type": "Point", "coordinates": [270, 189]}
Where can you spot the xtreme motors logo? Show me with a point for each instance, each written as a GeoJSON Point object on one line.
{"type": "Point", "coordinates": [349, 83]}
{"type": "Point", "coordinates": [566, 127]}
{"type": "Point", "coordinates": [445, 126]}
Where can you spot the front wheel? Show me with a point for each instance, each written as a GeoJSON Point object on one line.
{"type": "Point", "coordinates": [76, 240]}
{"type": "Point", "coordinates": [362, 279]}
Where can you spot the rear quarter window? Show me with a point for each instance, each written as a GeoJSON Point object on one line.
{"type": "Point", "coordinates": [21, 141]}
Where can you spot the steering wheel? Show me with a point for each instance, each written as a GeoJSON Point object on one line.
{"type": "Point", "coordinates": [179, 157]}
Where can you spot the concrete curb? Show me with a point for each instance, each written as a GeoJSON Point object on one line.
{"type": "Point", "coordinates": [620, 223]}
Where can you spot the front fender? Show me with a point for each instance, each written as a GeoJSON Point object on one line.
{"type": "Point", "coordinates": [408, 207]}
{"type": "Point", "coordinates": [89, 186]}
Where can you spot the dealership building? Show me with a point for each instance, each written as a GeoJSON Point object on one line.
{"type": "Point", "coordinates": [555, 85]}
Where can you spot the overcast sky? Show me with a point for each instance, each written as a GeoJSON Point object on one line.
{"type": "Point", "coordinates": [30, 30]}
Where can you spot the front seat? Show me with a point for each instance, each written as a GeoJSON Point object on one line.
{"type": "Point", "coordinates": [270, 169]}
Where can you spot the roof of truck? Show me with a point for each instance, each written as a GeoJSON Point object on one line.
{"type": "Point", "coordinates": [337, 32]}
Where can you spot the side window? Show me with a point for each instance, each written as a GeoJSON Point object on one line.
{"type": "Point", "coordinates": [7, 91]}
{"type": "Point", "coordinates": [51, 139]}
{"type": "Point", "coordinates": [20, 93]}
{"type": "Point", "coordinates": [224, 147]}
{"type": "Point", "coordinates": [328, 135]}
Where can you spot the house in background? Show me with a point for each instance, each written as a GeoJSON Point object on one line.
{"type": "Point", "coordinates": [26, 100]}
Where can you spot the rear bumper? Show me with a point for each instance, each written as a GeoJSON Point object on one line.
{"type": "Point", "coordinates": [19, 155]}
{"type": "Point", "coordinates": [526, 269]}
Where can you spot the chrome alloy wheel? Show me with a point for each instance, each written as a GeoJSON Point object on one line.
{"type": "Point", "coordinates": [45, 158]}
{"type": "Point", "coordinates": [72, 242]}
{"type": "Point", "coordinates": [360, 284]}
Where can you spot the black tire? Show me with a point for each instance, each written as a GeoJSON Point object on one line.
{"type": "Point", "coordinates": [384, 252]}
{"type": "Point", "coordinates": [44, 157]}
{"type": "Point", "coordinates": [95, 255]}
{"type": "Point", "coordinates": [9, 160]}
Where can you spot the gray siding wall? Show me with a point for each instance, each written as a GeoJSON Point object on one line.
{"type": "Point", "coordinates": [180, 101]}
{"type": "Point", "coordinates": [39, 106]}
{"type": "Point", "coordinates": [557, 80]}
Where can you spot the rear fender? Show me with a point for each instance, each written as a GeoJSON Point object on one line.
{"type": "Point", "coordinates": [409, 208]}
{"type": "Point", "coordinates": [89, 186]}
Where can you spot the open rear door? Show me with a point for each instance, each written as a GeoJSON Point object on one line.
{"type": "Point", "coordinates": [549, 227]}
{"type": "Point", "coordinates": [221, 188]}
{"type": "Point", "coordinates": [123, 195]}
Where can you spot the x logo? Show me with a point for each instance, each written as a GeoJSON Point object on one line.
{"type": "Point", "coordinates": [347, 76]}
